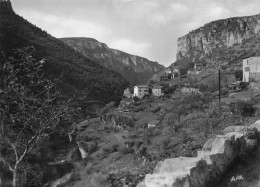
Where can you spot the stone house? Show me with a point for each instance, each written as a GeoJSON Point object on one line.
{"type": "Point", "coordinates": [251, 69]}
{"type": "Point", "coordinates": [140, 91]}
{"type": "Point", "coordinates": [167, 74]}
{"type": "Point", "coordinates": [189, 90]}
{"type": "Point", "coordinates": [157, 91]}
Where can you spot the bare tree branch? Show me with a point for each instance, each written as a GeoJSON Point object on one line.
{"type": "Point", "coordinates": [6, 163]}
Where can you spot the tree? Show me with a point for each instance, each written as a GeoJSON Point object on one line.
{"type": "Point", "coordinates": [30, 109]}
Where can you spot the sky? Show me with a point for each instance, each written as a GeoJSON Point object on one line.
{"type": "Point", "coordinates": [147, 28]}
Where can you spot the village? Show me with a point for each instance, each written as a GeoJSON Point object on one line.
{"type": "Point", "coordinates": [194, 81]}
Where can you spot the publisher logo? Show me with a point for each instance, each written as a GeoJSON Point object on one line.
{"type": "Point", "coordinates": [237, 178]}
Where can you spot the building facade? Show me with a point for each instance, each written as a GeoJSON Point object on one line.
{"type": "Point", "coordinates": [190, 90]}
{"type": "Point", "coordinates": [167, 75]}
{"type": "Point", "coordinates": [157, 91]}
{"type": "Point", "coordinates": [140, 91]}
{"type": "Point", "coordinates": [251, 69]}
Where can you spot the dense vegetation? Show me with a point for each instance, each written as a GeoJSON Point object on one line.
{"type": "Point", "coordinates": [122, 148]}
{"type": "Point", "coordinates": [80, 76]}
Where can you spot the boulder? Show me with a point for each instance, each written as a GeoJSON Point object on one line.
{"type": "Point", "coordinates": [256, 126]}
{"type": "Point", "coordinates": [248, 131]}
{"type": "Point", "coordinates": [181, 171]}
{"type": "Point", "coordinates": [219, 157]}
{"type": "Point", "coordinates": [251, 144]}
{"type": "Point", "coordinates": [208, 145]}
{"type": "Point", "coordinates": [238, 142]}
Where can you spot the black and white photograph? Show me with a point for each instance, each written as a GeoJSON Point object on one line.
{"type": "Point", "coordinates": [129, 93]}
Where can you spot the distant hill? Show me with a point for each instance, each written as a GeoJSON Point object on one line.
{"type": "Point", "coordinates": [81, 75]}
{"type": "Point", "coordinates": [133, 68]}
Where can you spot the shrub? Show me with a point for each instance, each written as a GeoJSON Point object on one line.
{"type": "Point", "coordinates": [126, 150]}
{"type": "Point", "coordinates": [135, 99]}
{"type": "Point", "coordinates": [239, 74]}
{"type": "Point", "coordinates": [174, 122]}
{"type": "Point", "coordinates": [108, 107]}
{"type": "Point", "coordinates": [156, 109]}
{"type": "Point", "coordinates": [242, 108]}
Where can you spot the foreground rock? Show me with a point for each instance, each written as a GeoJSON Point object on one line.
{"type": "Point", "coordinates": [211, 162]}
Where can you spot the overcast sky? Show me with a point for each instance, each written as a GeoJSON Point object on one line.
{"type": "Point", "coordinates": [147, 28]}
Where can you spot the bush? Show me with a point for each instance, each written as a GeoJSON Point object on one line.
{"type": "Point", "coordinates": [243, 108]}
{"type": "Point", "coordinates": [126, 150]}
{"type": "Point", "coordinates": [135, 99]}
{"type": "Point", "coordinates": [239, 75]}
{"type": "Point", "coordinates": [243, 85]}
{"type": "Point", "coordinates": [166, 89]}
{"type": "Point", "coordinates": [156, 109]}
{"type": "Point", "coordinates": [108, 107]}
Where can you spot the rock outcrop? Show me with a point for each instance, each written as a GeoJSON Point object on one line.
{"type": "Point", "coordinates": [133, 68]}
{"type": "Point", "coordinates": [227, 32]}
{"type": "Point", "coordinates": [216, 156]}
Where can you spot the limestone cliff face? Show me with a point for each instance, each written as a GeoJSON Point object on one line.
{"type": "Point", "coordinates": [217, 34]}
{"type": "Point", "coordinates": [133, 68]}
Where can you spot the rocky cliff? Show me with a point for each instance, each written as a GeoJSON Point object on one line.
{"type": "Point", "coordinates": [133, 68]}
{"type": "Point", "coordinates": [217, 34]}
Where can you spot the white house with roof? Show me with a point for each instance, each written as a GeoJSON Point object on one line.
{"type": "Point", "coordinates": [140, 91]}
{"type": "Point", "coordinates": [157, 91]}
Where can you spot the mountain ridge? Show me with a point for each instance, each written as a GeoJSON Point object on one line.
{"type": "Point", "coordinates": [81, 75]}
{"type": "Point", "coordinates": [135, 69]}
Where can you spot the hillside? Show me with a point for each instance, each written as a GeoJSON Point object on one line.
{"type": "Point", "coordinates": [133, 68]}
{"type": "Point", "coordinates": [224, 41]}
{"type": "Point", "coordinates": [82, 76]}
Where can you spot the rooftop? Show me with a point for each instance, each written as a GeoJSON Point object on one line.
{"type": "Point", "coordinates": [141, 85]}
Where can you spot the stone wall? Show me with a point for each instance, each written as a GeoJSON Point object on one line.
{"type": "Point", "coordinates": [216, 156]}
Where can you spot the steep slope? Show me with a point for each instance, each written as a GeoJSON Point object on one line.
{"type": "Point", "coordinates": [81, 75]}
{"type": "Point", "coordinates": [224, 41]}
{"type": "Point", "coordinates": [134, 69]}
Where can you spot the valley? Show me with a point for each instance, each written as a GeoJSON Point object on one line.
{"type": "Point", "coordinates": [75, 112]}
